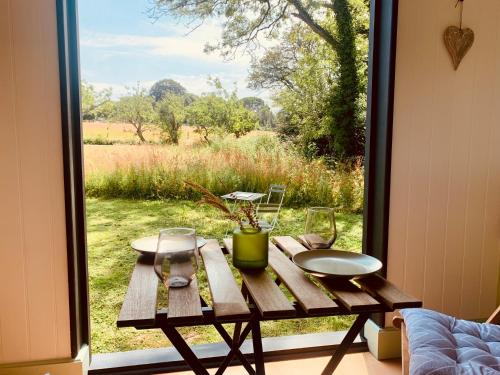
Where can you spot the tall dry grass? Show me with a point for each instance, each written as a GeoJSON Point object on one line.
{"type": "Point", "coordinates": [251, 163]}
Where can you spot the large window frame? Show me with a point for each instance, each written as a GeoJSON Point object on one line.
{"type": "Point", "coordinates": [381, 73]}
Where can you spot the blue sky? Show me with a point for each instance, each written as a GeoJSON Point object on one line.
{"type": "Point", "coordinates": [120, 46]}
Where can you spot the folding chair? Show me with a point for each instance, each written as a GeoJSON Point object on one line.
{"type": "Point", "coordinates": [271, 207]}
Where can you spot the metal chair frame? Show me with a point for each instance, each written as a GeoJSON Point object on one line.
{"type": "Point", "coordinates": [274, 208]}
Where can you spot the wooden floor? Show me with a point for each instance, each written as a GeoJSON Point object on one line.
{"type": "Point", "coordinates": [352, 364]}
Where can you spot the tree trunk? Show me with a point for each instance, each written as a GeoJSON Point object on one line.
{"type": "Point", "coordinates": [347, 131]}
{"type": "Point", "coordinates": [140, 134]}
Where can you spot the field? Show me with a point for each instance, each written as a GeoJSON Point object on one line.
{"type": "Point", "coordinates": [134, 190]}
{"type": "Point", "coordinates": [250, 163]}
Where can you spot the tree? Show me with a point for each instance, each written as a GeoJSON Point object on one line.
{"type": "Point", "coordinates": [221, 111]}
{"type": "Point", "coordinates": [261, 109]}
{"type": "Point", "coordinates": [96, 105]}
{"type": "Point", "coordinates": [171, 116]}
{"type": "Point", "coordinates": [246, 21]}
{"type": "Point", "coordinates": [136, 109]}
{"type": "Point", "coordinates": [166, 86]}
{"type": "Point", "coordinates": [305, 73]}
{"type": "Point", "coordinates": [207, 114]}
{"type": "Point", "coordinates": [241, 120]}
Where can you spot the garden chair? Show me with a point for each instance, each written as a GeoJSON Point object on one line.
{"type": "Point", "coordinates": [438, 344]}
{"type": "Point", "coordinates": [271, 208]}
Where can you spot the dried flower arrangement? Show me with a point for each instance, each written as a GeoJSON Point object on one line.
{"type": "Point", "coordinates": [245, 215]}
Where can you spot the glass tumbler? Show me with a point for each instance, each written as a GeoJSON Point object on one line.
{"type": "Point", "coordinates": [176, 257]}
{"type": "Point", "coordinates": [321, 230]}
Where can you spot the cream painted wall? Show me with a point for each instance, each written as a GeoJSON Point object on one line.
{"type": "Point", "coordinates": [34, 317]}
{"type": "Point", "coordinates": [444, 239]}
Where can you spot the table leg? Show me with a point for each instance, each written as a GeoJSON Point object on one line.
{"type": "Point", "coordinates": [234, 350]}
{"type": "Point", "coordinates": [345, 344]}
{"type": "Point", "coordinates": [232, 343]}
{"type": "Point", "coordinates": [184, 350]}
{"type": "Point", "coordinates": [257, 348]}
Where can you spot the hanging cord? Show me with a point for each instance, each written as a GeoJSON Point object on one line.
{"type": "Point", "coordinates": [461, 2]}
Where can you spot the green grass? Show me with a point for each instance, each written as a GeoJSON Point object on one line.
{"type": "Point", "coordinates": [250, 163]}
{"type": "Point", "coordinates": [113, 223]}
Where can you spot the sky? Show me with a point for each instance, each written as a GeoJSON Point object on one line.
{"type": "Point", "coordinates": [121, 46]}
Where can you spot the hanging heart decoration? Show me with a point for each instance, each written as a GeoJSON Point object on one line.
{"type": "Point", "coordinates": [458, 42]}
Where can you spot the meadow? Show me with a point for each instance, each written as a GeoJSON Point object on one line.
{"type": "Point", "coordinates": [134, 190]}
{"type": "Point", "coordinates": [250, 163]}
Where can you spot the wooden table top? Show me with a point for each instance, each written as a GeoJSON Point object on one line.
{"type": "Point", "coordinates": [312, 296]}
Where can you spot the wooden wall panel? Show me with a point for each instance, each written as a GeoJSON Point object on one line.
{"type": "Point", "coordinates": [34, 318]}
{"type": "Point", "coordinates": [444, 230]}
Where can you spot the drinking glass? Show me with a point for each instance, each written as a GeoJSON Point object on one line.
{"type": "Point", "coordinates": [176, 257]}
{"type": "Point", "coordinates": [320, 231]}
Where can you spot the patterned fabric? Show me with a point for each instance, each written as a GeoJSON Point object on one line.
{"type": "Point", "coordinates": [442, 345]}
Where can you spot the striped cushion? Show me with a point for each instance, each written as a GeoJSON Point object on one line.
{"type": "Point", "coordinates": [442, 345]}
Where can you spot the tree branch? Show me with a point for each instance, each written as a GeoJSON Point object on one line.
{"type": "Point", "coordinates": [304, 15]}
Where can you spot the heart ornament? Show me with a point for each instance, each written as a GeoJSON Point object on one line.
{"type": "Point", "coordinates": [458, 42]}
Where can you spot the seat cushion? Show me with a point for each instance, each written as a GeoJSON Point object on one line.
{"type": "Point", "coordinates": [442, 345]}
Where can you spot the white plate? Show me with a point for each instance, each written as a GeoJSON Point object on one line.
{"type": "Point", "coordinates": [336, 263]}
{"type": "Point", "coordinates": [147, 245]}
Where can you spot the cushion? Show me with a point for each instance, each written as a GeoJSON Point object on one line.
{"type": "Point", "coordinates": [442, 345]}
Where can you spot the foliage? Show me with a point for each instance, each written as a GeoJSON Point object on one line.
{"type": "Point", "coordinates": [337, 129]}
{"type": "Point", "coordinates": [207, 114]}
{"type": "Point", "coordinates": [164, 87]}
{"type": "Point", "coordinates": [96, 105]}
{"type": "Point", "coordinates": [98, 141]}
{"type": "Point", "coordinates": [320, 88]}
{"type": "Point", "coordinates": [250, 163]}
{"type": "Point", "coordinates": [136, 109]}
{"type": "Point", "coordinates": [171, 116]}
{"type": "Point", "coordinates": [112, 224]}
{"type": "Point", "coordinates": [261, 109]}
{"type": "Point", "coordinates": [220, 112]}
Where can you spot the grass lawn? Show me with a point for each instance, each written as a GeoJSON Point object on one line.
{"type": "Point", "coordinates": [113, 223]}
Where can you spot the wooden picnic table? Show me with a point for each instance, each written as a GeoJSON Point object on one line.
{"type": "Point", "coordinates": [258, 299]}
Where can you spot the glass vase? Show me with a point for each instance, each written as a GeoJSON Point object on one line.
{"type": "Point", "coordinates": [250, 248]}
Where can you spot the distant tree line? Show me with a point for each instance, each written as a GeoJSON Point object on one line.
{"type": "Point", "coordinates": [168, 105]}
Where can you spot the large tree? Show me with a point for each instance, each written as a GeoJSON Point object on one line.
{"type": "Point", "coordinates": [136, 109]}
{"type": "Point", "coordinates": [166, 86]}
{"type": "Point", "coordinates": [245, 21]}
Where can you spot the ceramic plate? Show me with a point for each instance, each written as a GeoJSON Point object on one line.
{"type": "Point", "coordinates": [147, 245]}
{"type": "Point", "coordinates": [335, 263]}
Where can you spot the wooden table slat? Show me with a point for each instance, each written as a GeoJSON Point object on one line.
{"type": "Point", "coordinates": [226, 296]}
{"type": "Point", "coordinates": [311, 298]}
{"type": "Point", "coordinates": [139, 306]}
{"type": "Point", "coordinates": [268, 297]}
{"type": "Point", "coordinates": [348, 294]}
{"type": "Point", "coordinates": [388, 293]}
{"type": "Point", "coordinates": [289, 245]}
{"type": "Point", "coordinates": [184, 303]}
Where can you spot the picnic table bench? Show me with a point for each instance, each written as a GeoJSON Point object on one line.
{"type": "Point", "coordinates": [258, 299]}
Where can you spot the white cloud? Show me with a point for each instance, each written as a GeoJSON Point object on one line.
{"type": "Point", "coordinates": [181, 43]}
